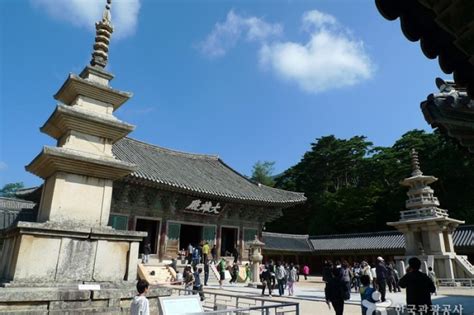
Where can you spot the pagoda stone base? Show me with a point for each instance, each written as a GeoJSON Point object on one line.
{"type": "Point", "coordinates": [446, 266]}
{"type": "Point", "coordinates": [68, 299]}
{"type": "Point", "coordinates": [49, 253]}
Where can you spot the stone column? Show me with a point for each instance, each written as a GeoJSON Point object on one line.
{"type": "Point", "coordinates": [163, 239]}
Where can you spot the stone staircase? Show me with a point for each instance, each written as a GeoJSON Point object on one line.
{"type": "Point", "coordinates": [465, 266]}
{"type": "Point", "coordinates": [155, 275]}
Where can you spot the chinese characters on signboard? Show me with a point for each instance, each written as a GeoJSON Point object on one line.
{"type": "Point", "coordinates": [203, 207]}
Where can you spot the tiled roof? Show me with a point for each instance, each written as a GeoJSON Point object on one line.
{"type": "Point", "coordinates": [198, 174]}
{"type": "Point", "coordinates": [387, 241]}
{"type": "Point", "coordinates": [12, 210]}
{"type": "Point", "coordinates": [361, 241]}
{"type": "Point", "coordinates": [286, 242]}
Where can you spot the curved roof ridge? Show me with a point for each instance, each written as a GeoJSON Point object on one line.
{"type": "Point", "coordinates": [175, 152]}
{"type": "Point", "coordinates": [299, 236]}
{"type": "Point", "coordinates": [348, 235]}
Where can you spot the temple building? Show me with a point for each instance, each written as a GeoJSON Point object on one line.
{"type": "Point", "coordinates": [182, 198]}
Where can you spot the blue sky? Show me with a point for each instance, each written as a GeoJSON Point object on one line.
{"type": "Point", "coordinates": [247, 80]}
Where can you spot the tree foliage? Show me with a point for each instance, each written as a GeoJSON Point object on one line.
{"type": "Point", "coordinates": [263, 173]}
{"type": "Point", "coordinates": [9, 190]}
{"type": "Point", "coordinates": [353, 186]}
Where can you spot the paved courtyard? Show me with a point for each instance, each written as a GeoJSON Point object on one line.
{"type": "Point", "coordinates": [310, 295]}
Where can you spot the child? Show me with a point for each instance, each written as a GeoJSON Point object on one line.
{"type": "Point", "coordinates": [367, 296]}
{"type": "Point", "coordinates": [140, 305]}
{"type": "Point", "coordinates": [432, 276]}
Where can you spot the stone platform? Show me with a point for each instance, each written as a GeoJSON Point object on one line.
{"type": "Point", "coordinates": [68, 299]}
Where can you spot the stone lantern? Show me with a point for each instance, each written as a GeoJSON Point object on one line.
{"type": "Point", "coordinates": [256, 257]}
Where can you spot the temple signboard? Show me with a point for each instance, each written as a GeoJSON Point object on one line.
{"type": "Point", "coordinates": [203, 207]}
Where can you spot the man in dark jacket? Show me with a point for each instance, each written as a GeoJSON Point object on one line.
{"type": "Point", "coordinates": [336, 291]}
{"type": "Point", "coordinates": [382, 273]}
{"type": "Point", "coordinates": [419, 286]}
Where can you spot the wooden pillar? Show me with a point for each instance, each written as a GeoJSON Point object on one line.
{"type": "Point", "coordinates": [241, 242]}
{"type": "Point", "coordinates": [218, 240]}
{"type": "Point", "coordinates": [163, 239]}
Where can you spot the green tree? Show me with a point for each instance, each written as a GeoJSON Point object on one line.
{"type": "Point", "coordinates": [9, 190]}
{"type": "Point", "coordinates": [263, 173]}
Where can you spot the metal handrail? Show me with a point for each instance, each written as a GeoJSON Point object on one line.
{"type": "Point", "coordinates": [291, 307]}
{"type": "Point", "coordinates": [463, 281]}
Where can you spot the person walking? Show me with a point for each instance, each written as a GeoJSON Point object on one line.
{"type": "Point", "coordinates": [305, 272]}
{"type": "Point", "coordinates": [188, 281]}
{"type": "Point", "coordinates": [146, 252]}
{"type": "Point", "coordinates": [336, 291]}
{"type": "Point", "coordinates": [221, 269]}
{"type": "Point", "coordinates": [197, 287]}
{"type": "Point", "coordinates": [280, 277]}
{"type": "Point", "coordinates": [327, 275]}
{"type": "Point", "coordinates": [140, 304]}
{"type": "Point", "coordinates": [381, 272]}
{"type": "Point", "coordinates": [356, 272]}
{"type": "Point", "coordinates": [206, 273]}
{"type": "Point", "coordinates": [190, 253]}
{"type": "Point", "coordinates": [234, 272]}
{"type": "Point", "coordinates": [391, 282]}
{"type": "Point", "coordinates": [432, 276]}
{"type": "Point", "coordinates": [205, 252]}
{"type": "Point", "coordinates": [214, 253]}
{"type": "Point", "coordinates": [235, 253]}
{"type": "Point", "coordinates": [291, 280]}
{"type": "Point", "coordinates": [418, 286]}
{"type": "Point", "coordinates": [266, 279]}
{"type": "Point", "coordinates": [346, 275]}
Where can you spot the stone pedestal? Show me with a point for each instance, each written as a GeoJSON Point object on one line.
{"type": "Point", "coordinates": [48, 253]}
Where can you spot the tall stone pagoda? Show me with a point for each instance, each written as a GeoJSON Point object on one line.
{"type": "Point", "coordinates": [71, 242]}
{"type": "Point", "coordinates": [428, 229]}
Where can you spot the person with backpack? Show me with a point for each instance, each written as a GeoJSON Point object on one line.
{"type": "Point", "coordinates": [336, 291]}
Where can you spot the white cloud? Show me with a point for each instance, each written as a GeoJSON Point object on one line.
{"type": "Point", "coordinates": [225, 35]}
{"type": "Point", "coordinates": [331, 58]}
{"type": "Point", "coordinates": [3, 166]}
{"type": "Point", "coordinates": [84, 13]}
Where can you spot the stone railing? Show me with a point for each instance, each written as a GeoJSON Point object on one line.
{"type": "Point", "coordinates": [423, 213]}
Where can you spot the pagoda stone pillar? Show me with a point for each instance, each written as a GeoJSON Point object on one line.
{"type": "Point", "coordinates": [71, 242]}
{"type": "Point", "coordinates": [428, 229]}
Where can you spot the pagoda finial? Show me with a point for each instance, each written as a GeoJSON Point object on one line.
{"type": "Point", "coordinates": [104, 30]}
{"type": "Point", "coordinates": [415, 163]}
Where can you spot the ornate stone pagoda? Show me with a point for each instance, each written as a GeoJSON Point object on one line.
{"type": "Point", "coordinates": [428, 229]}
{"type": "Point", "coordinates": [71, 242]}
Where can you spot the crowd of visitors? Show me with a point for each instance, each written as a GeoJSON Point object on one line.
{"type": "Point", "coordinates": [283, 275]}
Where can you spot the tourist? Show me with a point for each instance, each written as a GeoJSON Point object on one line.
{"type": "Point", "coordinates": [346, 274]}
{"type": "Point", "coordinates": [195, 256]}
{"type": "Point", "coordinates": [235, 253]}
{"type": "Point", "coordinates": [221, 269]}
{"type": "Point", "coordinates": [305, 272]}
{"type": "Point", "coordinates": [381, 272]}
{"type": "Point", "coordinates": [280, 277]}
{"type": "Point", "coordinates": [297, 267]}
{"type": "Point", "coordinates": [173, 264]}
{"type": "Point", "coordinates": [336, 291]}
{"type": "Point", "coordinates": [214, 253]}
{"type": "Point", "coordinates": [392, 279]}
{"type": "Point", "coordinates": [188, 281]}
{"type": "Point", "coordinates": [271, 268]}
{"type": "Point", "coordinates": [432, 276]}
{"type": "Point", "coordinates": [140, 304]}
{"type": "Point", "coordinates": [234, 272]}
{"type": "Point", "coordinates": [197, 287]}
{"type": "Point", "coordinates": [206, 273]}
{"type": "Point", "coordinates": [248, 273]}
{"type": "Point", "coordinates": [146, 252]}
{"type": "Point", "coordinates": [205, 252]}
{"type": "Point", "coordinates": [373, 272]}
{"type": "Point", "coordinates": [356, 272]}
{"type": "Point", "coordinates": [266, 279]}
{"type": "Point", "coordinates": [291, 280]}
{"type": "Point", "coordinates": [418, 286]}
{"type": "Point", "coordinates": [367, 296]}
{"type": "Point", "coordinates": [190, 253]}
{"type": "Point", "coordinates": [365, 270]}
{"type": "Point", "coordinates": [327, 271]}
{"type": "Point", "coordinates": [397, 279]}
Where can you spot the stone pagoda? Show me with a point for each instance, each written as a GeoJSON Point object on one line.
{"type": "Point", "coordinates": [71, 242]}
{"type": "Point", "coordinates": [428, 229]}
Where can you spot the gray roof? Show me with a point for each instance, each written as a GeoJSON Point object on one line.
{"type": "Point", "coordinates": [198, 174]}
{"type": "Point", "coordinates": [13, 210]}
{"type": "Point", "coordinates": [386, 241]}
{"type": "Point", "coordinates": [286, 242]}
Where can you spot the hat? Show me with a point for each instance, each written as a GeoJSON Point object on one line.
{"type": "Point", "coordinates": [380, 258]}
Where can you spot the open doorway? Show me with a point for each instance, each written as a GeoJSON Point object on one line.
{"type": "Point", "coordinates": [228, 240]}
{"type": "Point", "coordinates": [190, 234]}
{"type": "Point", "coordinates": [151, 227]}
